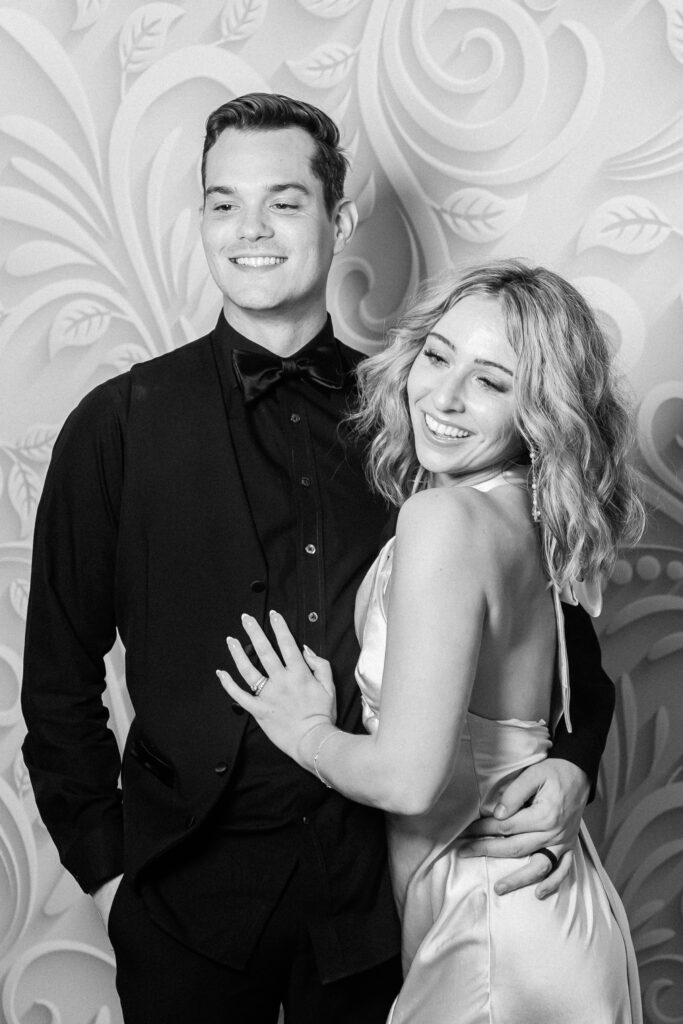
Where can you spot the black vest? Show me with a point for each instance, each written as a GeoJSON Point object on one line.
{"type": "Point", "coordinates": [187, 553]}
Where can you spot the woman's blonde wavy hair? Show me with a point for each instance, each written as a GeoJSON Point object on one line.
{"type": "Point", "coordinates": [568, 410]}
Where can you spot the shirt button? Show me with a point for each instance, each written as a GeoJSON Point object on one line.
{"type": "Point", "coordinates": [305, 481]}
{"type": "Point", "coordinates": [310, 549]}
{"type": "Point", "coordinates": [257, 586]}
{"type": "Point", "coordinates": [191, 821]}
{"type": "Point", "coordinates": [220, 768]}
{"type": "Point", "coordinates": [305, 820]}
{"type": "Point", "coordinates": [312, 616]}
{"type": "Point", "coordinates": [295, 418]}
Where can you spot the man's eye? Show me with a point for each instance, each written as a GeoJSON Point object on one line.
{"type": "Point", "coordinates": [224, 207]}
{"type": "Point", "coordinates": [285, 206]}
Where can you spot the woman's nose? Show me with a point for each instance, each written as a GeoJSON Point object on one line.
{"type": "Point", "coordinates": [449, 393]}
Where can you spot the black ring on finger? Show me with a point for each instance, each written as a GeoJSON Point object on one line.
{"type": "Point", "coordinates": [551, 857]}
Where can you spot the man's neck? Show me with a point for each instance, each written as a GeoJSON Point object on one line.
{"type": "Point", "coordinates": [281, 336]}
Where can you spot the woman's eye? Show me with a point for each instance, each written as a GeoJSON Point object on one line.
{"type": "Point", "coordinates": [433, 356]}
{"type": "Point", "coordinates": [492, 385]}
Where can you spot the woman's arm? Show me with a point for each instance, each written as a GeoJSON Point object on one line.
{"type": "Point", "coordinates": [428, 674]}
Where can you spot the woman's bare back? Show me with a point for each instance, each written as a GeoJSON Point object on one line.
{"type": "Point", "coordinates": [514, 674]}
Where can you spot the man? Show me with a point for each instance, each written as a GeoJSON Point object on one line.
{"type": "Point", "coordinates": [206, 483]}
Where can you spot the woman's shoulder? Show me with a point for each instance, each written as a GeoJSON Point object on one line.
{"type": "Point", "coordinates": [466, 523]}
{"type": "Point", "coordinates": [445, 520]}
{"type": "Point", "coordinates": [445, 507]}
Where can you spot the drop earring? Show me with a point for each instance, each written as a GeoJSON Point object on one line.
{"type": "Point", "coordinates": [535, 510]}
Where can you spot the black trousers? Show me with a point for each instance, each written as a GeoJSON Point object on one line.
{"type": "Point", "coordinates": [160, 981]}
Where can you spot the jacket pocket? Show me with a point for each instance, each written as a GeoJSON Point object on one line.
{"type": "Point", "coordinates": [150, 760]}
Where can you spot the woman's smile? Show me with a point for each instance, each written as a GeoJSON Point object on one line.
{"type": "Point", "coordinates": [444, 431]}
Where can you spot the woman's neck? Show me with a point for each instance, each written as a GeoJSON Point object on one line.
{"type": "Point", "coordinates": [478, 476]}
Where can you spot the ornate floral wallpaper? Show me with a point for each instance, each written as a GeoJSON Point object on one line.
{"type": "Point", "coordinates": [550, 129]}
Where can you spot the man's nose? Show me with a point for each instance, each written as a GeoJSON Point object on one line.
{"type": "Point", "coordinates": [449, 395]}
{"type": "Point", "coordinates": [254, 225]}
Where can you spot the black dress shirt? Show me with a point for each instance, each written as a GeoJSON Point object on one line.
{"type": "Point", "coordinates": [309, 501]}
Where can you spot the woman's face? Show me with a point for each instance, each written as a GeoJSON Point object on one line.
{"type": "Point", "coordinates": [460, 394]}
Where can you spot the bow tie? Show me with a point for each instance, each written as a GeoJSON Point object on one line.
{"type": "Point", "coordinates": [256, 372]}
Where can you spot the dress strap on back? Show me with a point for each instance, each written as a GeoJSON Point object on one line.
{"type": "Point", "coordinates": [562, 664]}
{"type": "Point", "coordinates": [587, 594]}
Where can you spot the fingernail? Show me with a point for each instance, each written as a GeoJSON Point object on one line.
{"type": "Point", "coordinates": [541, 895]}
{"type": "Point", "coordinates": [230, 641]}
{"type": "Point", "coordinates": [308, 650]}
{"type": "Point", "coordinates": [272, 613]}
{"type": "Point", "coordinates": [499, 811]}
{"type": "Point", "coordinates": [500, 890]}
{"type": "Point", "coordinates": [244, 616]}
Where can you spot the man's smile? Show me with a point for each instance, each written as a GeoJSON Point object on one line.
{"type": "Point", "coordinates": [257, 261]}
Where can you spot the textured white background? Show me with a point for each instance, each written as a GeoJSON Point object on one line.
{"type": "Point", "coordinates": [551, 129]}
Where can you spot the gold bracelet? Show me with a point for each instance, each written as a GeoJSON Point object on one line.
{"type": "Point", "coordinates": [317, 755]}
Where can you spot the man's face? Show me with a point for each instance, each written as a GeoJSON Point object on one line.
{"type": "Point", "coordinates": [268, 238]}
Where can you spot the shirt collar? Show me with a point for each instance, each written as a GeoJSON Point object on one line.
{"type": "Point", "coordinates": [228, 339]}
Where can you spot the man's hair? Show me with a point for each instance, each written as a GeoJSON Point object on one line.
{"type": "Point", "coordinates": [568, 411]}
{"type": "Point", "coordinates": [263, 111]}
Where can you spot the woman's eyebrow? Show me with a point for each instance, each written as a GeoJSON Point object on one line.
{"type": "Point", "coordinates": [480, 362]}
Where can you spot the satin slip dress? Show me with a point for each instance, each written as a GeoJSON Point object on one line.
{"type": "Point", "coordinates": [469, 955]}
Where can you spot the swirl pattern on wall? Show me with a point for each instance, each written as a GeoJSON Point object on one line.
{"type": "Point", "coordinates": [539, 128]}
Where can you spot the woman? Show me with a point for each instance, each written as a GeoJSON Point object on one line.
{"type": "Point", "coordinates": [496, 427]}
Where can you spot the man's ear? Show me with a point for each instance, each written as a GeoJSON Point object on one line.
{"type": "Point", "coordinates": [345, 221]}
